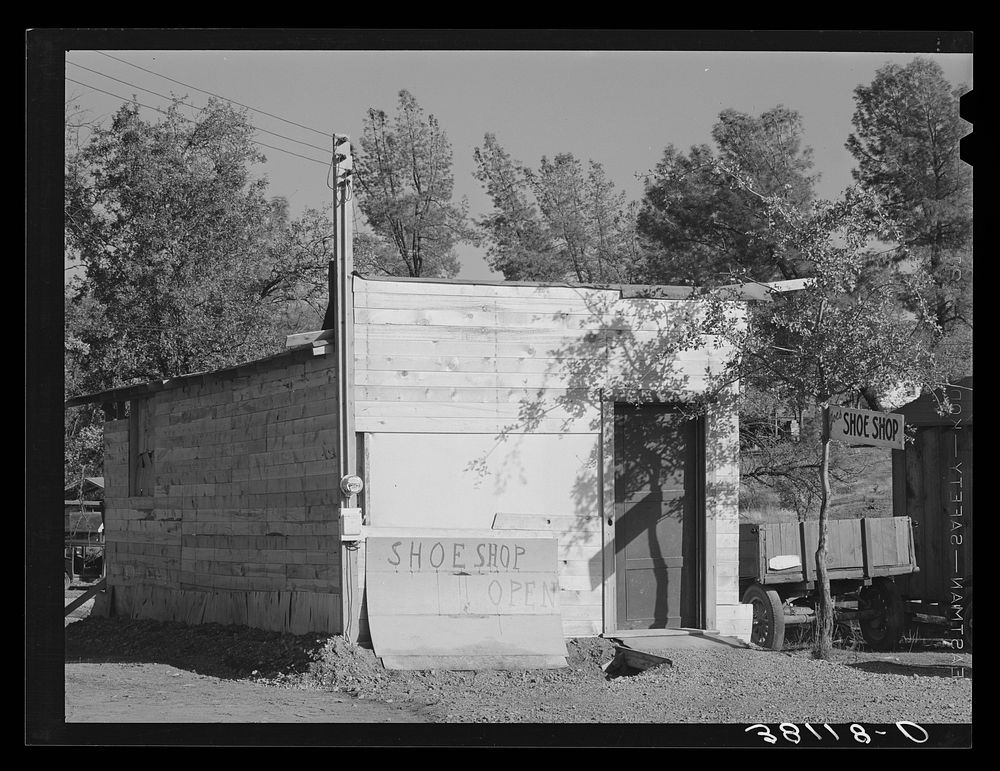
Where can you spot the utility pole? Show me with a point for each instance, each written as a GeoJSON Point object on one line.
{"type": "Point", "coordinates": [340, 317]}
{"type": "Point", "coordinates": [342, 304]}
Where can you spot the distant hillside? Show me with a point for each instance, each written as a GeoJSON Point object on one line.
{"type": "Point", "coordinates": [868, 495]}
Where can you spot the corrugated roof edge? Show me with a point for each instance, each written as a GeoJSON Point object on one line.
{"type": "Point", "coordinates": [124, 393]}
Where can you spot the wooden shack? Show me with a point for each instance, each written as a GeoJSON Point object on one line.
{"type": "Point", "coordinates": [470, 411]}
{"type": "Point", "coordinates": [933, 485]}
{"type": "Point", "coordinates": [220, 502]}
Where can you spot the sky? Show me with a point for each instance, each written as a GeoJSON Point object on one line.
{"type": "Point", "coordinates": [621, 108]}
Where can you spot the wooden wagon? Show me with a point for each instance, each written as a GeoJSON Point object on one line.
{"type": "Point", "coordinates": [778, 576]}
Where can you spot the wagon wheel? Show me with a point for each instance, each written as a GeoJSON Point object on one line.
{"type": "Point", "coordinates": [883, 630]}
{"type": "Point", "coordinates": [768, 617]}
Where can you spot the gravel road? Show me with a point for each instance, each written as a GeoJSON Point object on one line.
{"type": "Point", "coordinates": [239, 674]}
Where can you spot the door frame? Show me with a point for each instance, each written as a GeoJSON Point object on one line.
{"type": "Point", "coordinates": [607, 469]}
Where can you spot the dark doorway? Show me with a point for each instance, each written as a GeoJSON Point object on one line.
{"type": "Point", "coordinates": [657, 522]}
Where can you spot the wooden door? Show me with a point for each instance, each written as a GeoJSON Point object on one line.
{"type": "Point", "coordinates": [657, 539]}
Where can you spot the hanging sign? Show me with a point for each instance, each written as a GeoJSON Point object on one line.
{"type": "Point", "coordinates": [865, 427]}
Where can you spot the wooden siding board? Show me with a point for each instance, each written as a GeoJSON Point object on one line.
{"type": "Point", "coordinates": [284, 611]}
{"type": "Point", "coordinates": [472, 341]}
{"type": "Point", "coordinates": [431, 378]}
{"type": "Point", "coordinates": [471, 395]}
{"type": "Point", "coordinates": [566, 302]}
{"type": "Point", "coordinates": [510, 413]}
{"type": "Point", "coordinates": [545, 475]}
{"type": "Point", "coordinates": [489, 426]}
{"type": "Point", "coordinates": [234, 470]}
{"type": "Point", "coordinates": [625, 315]}
{"type": "Point", "coordinates": [501, 348]}
{"type": "Point", "coordinates": [363, 287]}
{"type": "Point", "coordinates": [490, 363]}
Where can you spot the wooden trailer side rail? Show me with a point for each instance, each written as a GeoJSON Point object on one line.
{"type": "Point", "coordinates": [857, 549]}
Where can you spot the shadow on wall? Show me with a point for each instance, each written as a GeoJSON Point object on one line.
{"type": "Point", "coordinates": [633, 351]}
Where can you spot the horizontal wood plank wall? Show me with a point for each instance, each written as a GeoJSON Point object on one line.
{"type": "Point", "coordinates": [519, 362]}
{"type": "Point", "coordinates": [458, 358]}
{"type": "Point", "coordinates": [242, 526]}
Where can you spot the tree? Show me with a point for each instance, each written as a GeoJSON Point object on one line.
{"type": "Point", "coordinates": [299, 251]}
{"type": "Point", "coordinates": [769, 150]}
{"type": "Point", "coordinates": [405, 185]}
{"type": "Point", "coordinates": [698, 228]}
{"type": "Point", "coordinates": [176, 249]}
{"type": "Point", "coordinates": [845, 334]}
{"type": "Point", "coordinates": [561, 222]}
{"type": "Point", "coordinates": [172, 232]}
{"type": "Point", "coordinates": [517, 241]}
{"type": "Point", "coordinates": [84, 440]}
{"type": "Point", "coordinates": [906, 141]}
{"type": "Point", "coordinates": [783, 458]}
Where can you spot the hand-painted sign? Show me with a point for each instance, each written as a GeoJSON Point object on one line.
{"type": "Point", "coordinates": [875, 429]}
{"type": "Point", "coordinates": [464, 603]}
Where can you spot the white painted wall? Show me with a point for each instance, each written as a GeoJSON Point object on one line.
{"type": "Point", "coordinates": [463, 480]}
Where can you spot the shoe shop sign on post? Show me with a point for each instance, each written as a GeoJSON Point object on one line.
{"type": "Point", "coordinates": [865, 427]}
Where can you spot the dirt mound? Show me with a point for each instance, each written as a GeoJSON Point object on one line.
{"type": "Point", "coordinates": [303, 661]}
{"type": "Point", "coordinates": [339, 665]}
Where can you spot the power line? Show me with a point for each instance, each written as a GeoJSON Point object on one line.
{"type": "Point", "coordinates": [189, 120]}
{"type": "Point", "coordinates": [189, 104]}
{"type": "Point", "coordinates": [218, 96]}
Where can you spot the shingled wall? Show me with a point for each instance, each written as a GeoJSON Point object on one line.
{"type": "Point", "coordinates": [241, 526]}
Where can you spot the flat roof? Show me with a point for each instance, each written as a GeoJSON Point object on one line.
{"type": "Point", "coordinates": [656, 291]}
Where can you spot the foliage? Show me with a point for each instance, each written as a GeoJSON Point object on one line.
{"type": "Point", "coordinates": [845, 335]}
{"type": "Point", "coordinates": [768, 149]}
{"type": "Point", "coordinates": [404, 186]}
{"type": "Point", "coordinates": [906, 140]}
{"type": "Point", "coordinates": [300, 252]}
{"type": "Point", "coordinates": [786, 463]}
{"type": "Point", "coordinates": [517, 243]}
{"type": "Point", "coordinates": [84, 445]}
{"type": "Point", "coordinates": [700, 229]}
{"type": "Point", "coordinates": [178, 256]}
{"type": "Point", "coordinates": [374, 257]}
{"type": "Point", "coordinates": [172, 234]}
{"type": "Point", "coordinates": [561, 222]}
